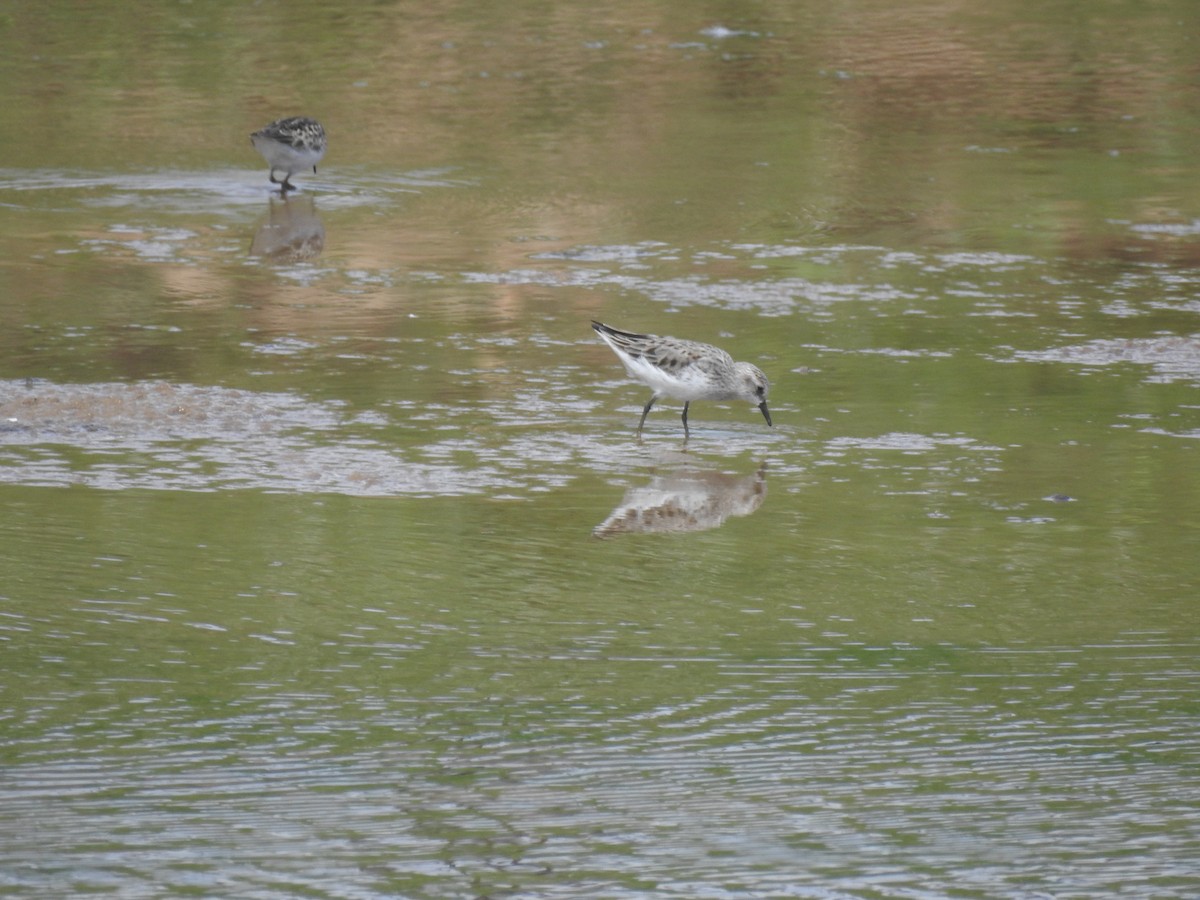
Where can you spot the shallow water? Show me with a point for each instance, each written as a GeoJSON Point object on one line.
{"type": "Point", "coordinates": [332, 566]}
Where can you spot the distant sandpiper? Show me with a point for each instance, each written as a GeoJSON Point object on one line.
{"type": "Point", "coordinates": [685, 370]}
{"type": "Point", "coordinates": [291, 146]}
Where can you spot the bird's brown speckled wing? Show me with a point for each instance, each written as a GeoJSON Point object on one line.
{"type": "Point", "coordinates": [672, 355]}
{"type": "Point", "coordinates": [298, 132]}
{"type": "Point", "coordinates": [675, 356]}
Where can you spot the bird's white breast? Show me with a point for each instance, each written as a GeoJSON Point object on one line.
{"type": "Point", "coordinates": [688, 383]}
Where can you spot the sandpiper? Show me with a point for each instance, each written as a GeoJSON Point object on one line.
{"type": "Point", "coordinates": [685, 370]}
{"type": "Point", "coordinates": [290, 145]}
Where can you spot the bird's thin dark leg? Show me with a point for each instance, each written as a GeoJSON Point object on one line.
{"type": "Point", "coordinates": [645, 412]}
{"type": "Point", "coordinates": [685, 428]}
{"type": "Point", "coordinates": [271, 175]}
{"type": "Point", "coordinates": [287, 184]}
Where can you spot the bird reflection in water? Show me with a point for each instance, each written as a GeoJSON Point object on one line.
{"type": "Point", "coordinates": [685, 501]}
{"type": "Point", "coordinates": [292, 233]}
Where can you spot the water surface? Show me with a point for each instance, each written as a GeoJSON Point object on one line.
{"type": "Point", "coordinates": [331, 566]}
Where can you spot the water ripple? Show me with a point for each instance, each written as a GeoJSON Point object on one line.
{"type": "Point", "coordinates": [752, 787]}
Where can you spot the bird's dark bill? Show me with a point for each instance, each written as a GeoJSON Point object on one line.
{"type": "Point", "coordinates": [766, 413]}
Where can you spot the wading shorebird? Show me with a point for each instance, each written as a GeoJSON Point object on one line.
{"type": "Point", "coordinates": [291, 146]}
{"type": "Point", "coordinates": [685, 370]}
